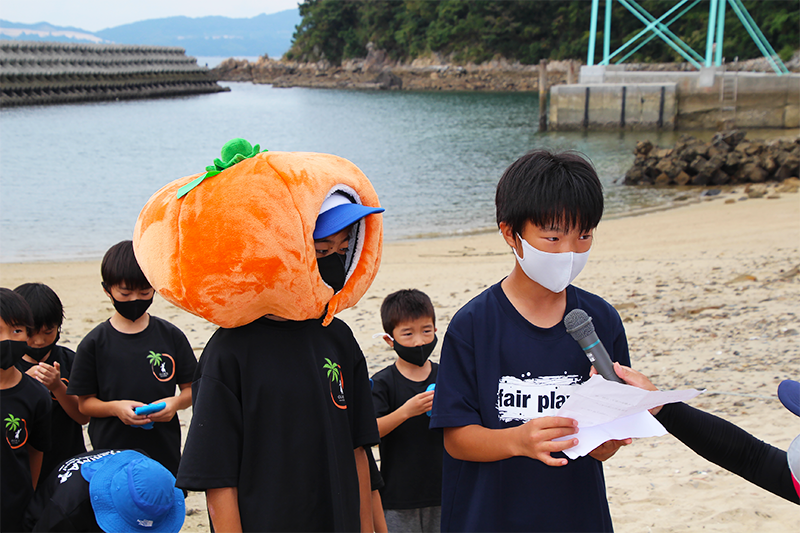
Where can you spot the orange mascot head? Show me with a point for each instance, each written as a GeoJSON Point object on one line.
{"type": "Point", "coordinates": [237, 242]}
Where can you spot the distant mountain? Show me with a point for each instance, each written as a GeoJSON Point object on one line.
{"type": "Point", "coordinates": [42, 31]}
{"type": "Point", "coordinates": [203, 36]}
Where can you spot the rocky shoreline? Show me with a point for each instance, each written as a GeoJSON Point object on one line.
{"type": "Point", "coordinates": [431, 73]}
{"type": "Point", "coordinates": [727, 159]}
{"type": "Point", "coordinates": [374, 74]}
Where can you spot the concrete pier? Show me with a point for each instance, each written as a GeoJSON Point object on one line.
{"type": "Point", "coordinates": [609, 97]}
{"type": "Point", "coordinates": [35, 73]}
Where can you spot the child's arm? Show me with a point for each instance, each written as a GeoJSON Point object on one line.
{"type": "Point", "coordinates": [174, 404]}
{"type": "Point", "coordinates": [223, 509]}
{"type": "Point", "coordinates": [91, 405]}
{"type": "Point", "coordinates": [415, 406]}
{"type": "Point", "coordinates": [533, 439]}
{"type": "Point", "coordinates": [35, 458]}
{"type": "Point", "coordinates": [50, 376]}
{"type": "Point", "coordinates": [364, 489]}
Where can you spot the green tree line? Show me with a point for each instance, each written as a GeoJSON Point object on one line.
{"type": "Point", "coordinates": [522, 30]}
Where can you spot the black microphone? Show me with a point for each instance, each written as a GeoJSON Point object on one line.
{"type": "Point", "coordinates": [579, 325]}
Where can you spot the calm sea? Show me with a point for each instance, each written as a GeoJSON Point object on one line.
{"type": "Point", "coordinates": [74, 177]}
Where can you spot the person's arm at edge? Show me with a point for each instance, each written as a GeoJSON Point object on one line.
{"type": "Point", "coordinates": [35, 459]}
{"type": "Point", "coordinates": [364, 489]}
{"type": "Point", "coordinates": [223, 509]}
{"type": "Point", "coordinates": [533, 439]}
{"type": "Point", "coordinates": [70, 404]}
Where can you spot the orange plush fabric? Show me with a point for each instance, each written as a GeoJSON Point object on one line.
{"type": "Point", "coordinates": [239, 245]}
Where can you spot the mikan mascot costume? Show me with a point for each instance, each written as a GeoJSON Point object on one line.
{"type": "Point", "coordinates": [282, 407]}
{"type": "Point", "coordinates": [237, 242]}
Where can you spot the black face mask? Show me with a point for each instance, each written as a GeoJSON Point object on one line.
{"type": "Point", "coordinates": [11, 352]}
{"type": "Point", "coordinates": [416, 355]}
{"type": "Point", "coordinates": [331, 269]}
{"type": "Point", "coordinates": [40, 353]}
{"type": "Point", "coordinates": [132, 309]}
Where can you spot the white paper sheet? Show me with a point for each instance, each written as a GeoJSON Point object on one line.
{"type": "Point", "coordinates": [607, 410]}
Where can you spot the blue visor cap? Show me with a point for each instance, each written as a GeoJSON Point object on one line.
{"type": "Point", "coordinates": [789, 395]}
{"type": "Point", "coordinates": [338, 218]}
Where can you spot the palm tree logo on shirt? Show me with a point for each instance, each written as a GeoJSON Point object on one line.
{"type": "Point", "coordinates": [16, 431]}
{"type": "Point", "coordinates": [336, 383]}
{"type": "Point", "coordinates": [163, 365]}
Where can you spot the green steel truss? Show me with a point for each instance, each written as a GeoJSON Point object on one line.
{"type": "Point", "coordinates": [659, 27]}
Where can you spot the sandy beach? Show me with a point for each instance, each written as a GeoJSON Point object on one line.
{"type": "Point", "coordinates": [709, 296]}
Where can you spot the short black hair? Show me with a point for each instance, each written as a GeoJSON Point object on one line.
{"type": "Point", "coordinates": [404, 305]}
{"type": "Point", "coordinates": [550, 189]}
{"type": "Point", "coordinates": [48, 312]}
{"type": "Point", "coordinates": [120, 266]}
{"type": "Point", "coordinates": [14, 310]}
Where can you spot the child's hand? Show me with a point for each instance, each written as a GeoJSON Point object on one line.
{"type": "Point", "coordinates": [608, 449]}
{"type": "Point", "coordinates": [124, 410]}
{"type": "Point", "coordinates": [535, 438]}
{"type": "Point", "coordinates": [421, 403]}
{"type": "Point", "coordinates": [47, 374]}
{"type": "Point", "coordinates": [635, 378]}
{"type": "Point", "coordinates": [166, 414]}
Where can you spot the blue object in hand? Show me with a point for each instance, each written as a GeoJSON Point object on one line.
{"type": "Point", "coordinates": [430, 387]}
{"type": "Point", "coordinates": [148, 409]}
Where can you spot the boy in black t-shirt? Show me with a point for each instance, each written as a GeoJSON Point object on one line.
{"type": "Point", "coordinates": [25, 410]}
{"type": "Point", "coordinates": [131, 360]}
{"type": "Point", "coordinates": [411, 454]}
{"type": "Point", "coordinates": [288, 403]}
{"type": "Point", "coordinates": [51, 365]}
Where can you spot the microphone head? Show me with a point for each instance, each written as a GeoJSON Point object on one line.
{"type": "Point", "coordinates": [578, 324]}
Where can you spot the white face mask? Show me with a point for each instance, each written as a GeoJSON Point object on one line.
{"type": "Point", "coordinates": [552, 271]}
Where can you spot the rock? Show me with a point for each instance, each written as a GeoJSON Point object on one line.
{"type": "Point", "coordinates": [789, 185]}
{"type": "Point", "coordinates": [720, 177]}
{"type": "Point", "coordinates": [643, 147]}
{"type": "Point", "coordinates": [753, 173]}
{"type": "Point", "coordinates": [726, 159]}
{"type": "Point", "coordinates": [682, 178]}
{"type": "Point", "coordinates": [388, 80]}
{"type": "Point", "coordinates": [756, 190]}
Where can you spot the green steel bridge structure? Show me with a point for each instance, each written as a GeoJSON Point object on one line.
{"type": "Point", "coordinates": [659, 27]}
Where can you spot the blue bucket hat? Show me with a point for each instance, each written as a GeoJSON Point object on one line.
{"type": "Point", "coordinates": [338, 212]}
{"type": "Point", "coordinates": [131, 492]}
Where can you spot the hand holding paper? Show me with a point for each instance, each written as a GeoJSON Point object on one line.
{"type": "Point", "coordinates": [606, 410]}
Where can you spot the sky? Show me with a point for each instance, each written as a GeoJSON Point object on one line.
{"type": "Point", "coordinates": [96, 15]}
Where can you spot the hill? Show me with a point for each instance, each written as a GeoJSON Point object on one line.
{"type": "Point", "coordinates": [203, 36]}
{"type": "Point", "coordinates": [213, 36]}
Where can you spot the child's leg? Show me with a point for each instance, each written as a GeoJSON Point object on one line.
{"type": "Point", "coordinates": [378, 517]}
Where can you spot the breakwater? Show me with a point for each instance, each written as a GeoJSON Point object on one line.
{"type": "Point", "coordinates": [35, 73]}
{"type": "Point", "coordinates": [728, 158]}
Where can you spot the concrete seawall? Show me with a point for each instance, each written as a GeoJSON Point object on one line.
{"type": "Point", "coordinates": [35, 73]}
{"type": "Point", "coordinates": [613, 98]}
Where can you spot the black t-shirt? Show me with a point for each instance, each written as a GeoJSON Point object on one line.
{"type": "Point", "coordinates": [61, 502]}
{"type": "Point", "coordinates": [279, 408]}
{"type": "Point", "coordinates": [25, 409]}
{"type": "Point", "coordinates": [67, 434]}
{"type": "Point", "coordinates": [411, 454]}
{"type": "Point", "coordinates": [145, 367]}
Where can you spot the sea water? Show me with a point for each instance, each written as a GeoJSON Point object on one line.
{"type": "Point", "coordinates": [73, 178]}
